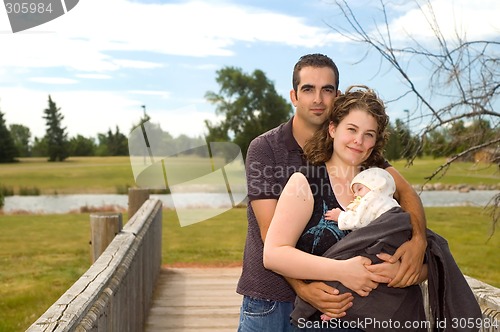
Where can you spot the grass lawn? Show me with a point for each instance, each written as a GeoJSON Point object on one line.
{"type": "Point", "coordinates": [41, 256]}
{"type": "Point", "coordinates": [76, 175]}
{"type": "Point", "coordinates": [458, 173]}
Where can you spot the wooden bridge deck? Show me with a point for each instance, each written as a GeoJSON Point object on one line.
{"type": "Point", "coordinates": [195, 299]}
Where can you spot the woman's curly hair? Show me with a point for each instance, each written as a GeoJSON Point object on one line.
{"type": "Point", "coordinates": [319, 148]}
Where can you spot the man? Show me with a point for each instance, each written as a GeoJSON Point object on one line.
{"type": "Point", "coordinates": [271, 159]}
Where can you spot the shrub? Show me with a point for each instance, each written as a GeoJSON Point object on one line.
{"type": "Point", "coordinates": [6, 191]}
{"type": "Point", "coordinates": [26, 191]}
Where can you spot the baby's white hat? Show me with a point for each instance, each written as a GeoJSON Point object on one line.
{"type": "Point", "coordinates": [376, 179]}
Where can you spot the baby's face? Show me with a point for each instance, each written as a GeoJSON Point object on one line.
{"type": "Point", "coordinates": [359, 189]}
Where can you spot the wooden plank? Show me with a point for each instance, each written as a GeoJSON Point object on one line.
{"type": "Point", "coordinates": [195, 299]}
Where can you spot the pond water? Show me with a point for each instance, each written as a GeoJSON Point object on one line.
{"type": "Point", "coordinates": [71, 203]}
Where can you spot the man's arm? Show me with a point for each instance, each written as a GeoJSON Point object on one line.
{"type": "Point", "coordinates": [321, 296]}
{"type": "Point", "coordinates": [412, 252]}
{"type": "Point", "coordinates": [264, 211]}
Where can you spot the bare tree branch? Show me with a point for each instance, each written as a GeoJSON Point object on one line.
{"type": "Point", "coordinates": [464, 85]}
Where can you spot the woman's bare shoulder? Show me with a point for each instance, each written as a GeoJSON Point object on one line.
{"type": "Point", "coordinates": [297, 185]}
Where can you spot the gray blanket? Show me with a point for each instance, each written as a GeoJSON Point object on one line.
{"type": "Point", "coordinates": [385, 304]}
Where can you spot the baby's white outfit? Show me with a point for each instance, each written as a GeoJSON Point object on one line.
{"type": "Point", "coordinates": [363, 210]}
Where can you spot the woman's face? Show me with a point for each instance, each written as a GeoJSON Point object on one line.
{"type": "Point", "coordinates": [354, 137]}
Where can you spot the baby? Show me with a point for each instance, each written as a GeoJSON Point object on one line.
{"type": "Point", "coordinates": [373, 189]}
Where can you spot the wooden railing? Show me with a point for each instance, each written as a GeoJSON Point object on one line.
{"type": "Point", "coordinates": [115, 293]}
{"type": "Point", "coordinates": [488, 298]}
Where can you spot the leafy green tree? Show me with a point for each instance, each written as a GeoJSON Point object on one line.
{"type": "Point", "coordinates": [8, 151]}
{"type": "Point", "coordinates": [82, 146]}
{"type": "Point", "coordinates": [21, 136]}
{"type": "Point", "coordinates": [39, 147]}
{"type": "Point", "coordinates": [250, 106]}
{"type": "Point", "coordinates": [56, 136]}
{"type": "Point", "coordinates": [436, 143]}
{"type": "Point", "coordinates": [112, 144]}
{"type": "Point", "coordinates": [456, 139]}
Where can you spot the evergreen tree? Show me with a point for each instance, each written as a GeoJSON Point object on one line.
{"type": "Point", "coordinates": [393, 148]}
{"type": "Point", "coordinates": [8, 150]}
{"type": "Point", "coordinates": [56, 136]}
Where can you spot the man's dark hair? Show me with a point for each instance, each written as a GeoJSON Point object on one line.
{"type": "Point", "coordinates": [313, 60]}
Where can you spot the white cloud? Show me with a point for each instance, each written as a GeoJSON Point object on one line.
{"type": "Point", "coordinates": [94, 76]}
{"type": "Point", "coordinates": [161, 94]}
{"type": "Point", "coordinates": [53, 80]}
{"type": "Point", "coordinates": [468, 18]}
{"type": "Point", "coordinates": [137, 64]}
{"type": "Point", "coordinates": [83, 38]}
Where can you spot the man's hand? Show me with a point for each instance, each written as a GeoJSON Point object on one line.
{"type": "Point", "coordinates": [385, 269]}
{"type": "Point", "coordinates": [325, 298]}
{"type": "Point", "coordinates": [411, 255]}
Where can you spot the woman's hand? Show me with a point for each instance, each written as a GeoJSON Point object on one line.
{"type": "Point", "coordinates": [385, 269]}
{"type": "Point", "coordinates": [358, 278]}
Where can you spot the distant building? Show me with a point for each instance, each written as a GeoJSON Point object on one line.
{"type": "Point", "coordinates": [488, 155]}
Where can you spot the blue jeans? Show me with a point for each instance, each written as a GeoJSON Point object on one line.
{"type": "Point", "coordinates": [258, 315]}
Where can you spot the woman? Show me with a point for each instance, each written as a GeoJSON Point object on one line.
{"type": "Point", "coordinates": [351, 139]}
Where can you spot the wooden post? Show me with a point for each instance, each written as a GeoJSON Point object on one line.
{"type": "Point", "coordinates": [136, 197]}
{"type": "Point", "coordinates": [103, 229]}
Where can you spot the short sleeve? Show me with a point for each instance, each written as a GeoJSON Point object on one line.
{"type": "Point", "coordinates": [261, 171]}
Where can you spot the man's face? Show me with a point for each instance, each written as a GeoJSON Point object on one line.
{"type": "Point", "coordinates": [315, 94]}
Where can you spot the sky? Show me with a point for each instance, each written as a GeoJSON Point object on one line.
{"type": "Point", "coordinates": [102, 61]}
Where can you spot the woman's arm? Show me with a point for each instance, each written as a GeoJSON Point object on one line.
{"type": "Point", "coordinates": [318, 294]}
{"type": "Point", "coordinates": [293, 211]}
